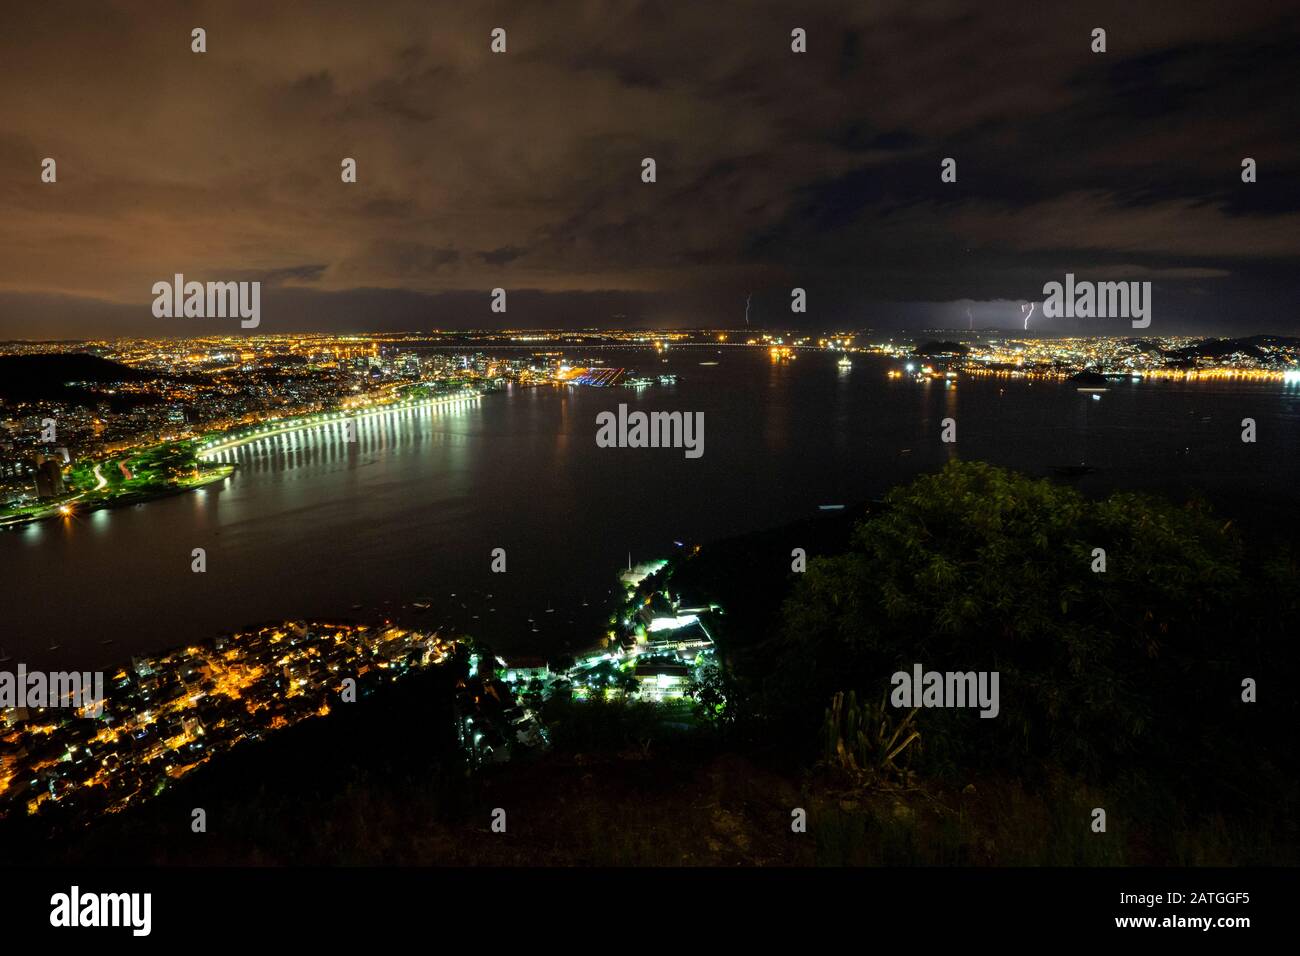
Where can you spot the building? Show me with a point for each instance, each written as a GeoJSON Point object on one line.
{"type": "Point", "coordinates": [49, 478]}
{"type": "Point", "coordinates": [685, 643]}
{"type": "Point", "coordinates": [524, 668]}
{"type": "Point", "coordinates": [16, 475]}
{"type": "Point", "coordinates": [662, 679]}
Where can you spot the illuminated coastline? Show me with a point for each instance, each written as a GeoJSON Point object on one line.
{"type": "Point", "coordinates": [331, 419]}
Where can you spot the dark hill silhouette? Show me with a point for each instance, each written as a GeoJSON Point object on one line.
{"type": "Point", "coordinates": [1088, 379]}
{"type": "Point", "coordinates": [60, 377]}
{"type": "Point", "coordinates": [1218, 348]}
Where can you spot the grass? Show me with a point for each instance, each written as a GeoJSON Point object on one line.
{"type": "Point", "coordinates": [160, 470]}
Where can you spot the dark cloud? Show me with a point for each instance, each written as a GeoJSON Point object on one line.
{"type": "Point", "coordinates": [287, 275]}
{"type": "Point", "coordinates": [502, 256]}
{"type": "Point", "coordinates": [523, 170]}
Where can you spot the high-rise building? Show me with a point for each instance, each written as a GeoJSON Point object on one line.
{"type": "Point", "coordinates": [49, 478]}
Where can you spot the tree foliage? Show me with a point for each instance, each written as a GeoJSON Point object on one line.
{"type": "Point", "coordinates": [977, 568]}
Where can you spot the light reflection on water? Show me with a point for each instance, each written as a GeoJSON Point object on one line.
{"type": "Point", "coordinates": [312, 525]}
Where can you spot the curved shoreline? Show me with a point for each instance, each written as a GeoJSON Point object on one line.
{"type": "Point", "coordinates": [81, 506]}
{"type": "Point", "coordinates": [327, 419]}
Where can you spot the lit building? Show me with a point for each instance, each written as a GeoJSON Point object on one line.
{"type": "Point", "coordinates": [662, 680]}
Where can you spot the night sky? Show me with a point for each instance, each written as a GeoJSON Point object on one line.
{"type": "Point", "coordinates": [523, 170]}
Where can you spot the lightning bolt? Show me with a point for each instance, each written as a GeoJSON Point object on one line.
{"type": "Point", "coordinates": [1029, 313]}
{"type": "Point", "coordinates": [747, 298]}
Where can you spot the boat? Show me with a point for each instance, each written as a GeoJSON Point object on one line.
{"type": "Point", "coordinates": [845, 362]}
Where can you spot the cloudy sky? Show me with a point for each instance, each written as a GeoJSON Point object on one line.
{"type": "Point", "coordinates": [523, 170]}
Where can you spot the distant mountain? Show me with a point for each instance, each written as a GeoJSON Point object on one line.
{"type": "Point", "coordinates": [60, 377]}
{"type": "Point", "coordinates": [1218, 348]}
{"type": "Point", "coordinates": [1146, 345]}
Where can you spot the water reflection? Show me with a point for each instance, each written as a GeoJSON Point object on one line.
{"type": "Point", "coordinates": [310, 524]}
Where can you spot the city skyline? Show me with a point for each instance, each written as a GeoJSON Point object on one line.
{"type": "Point", "coordinates": [746, 436]}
